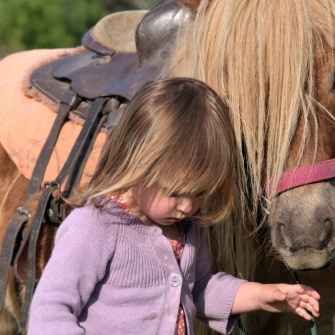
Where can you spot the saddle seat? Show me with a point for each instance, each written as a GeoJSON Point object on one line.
{"type": "Point", "coordinates": [115, 31]}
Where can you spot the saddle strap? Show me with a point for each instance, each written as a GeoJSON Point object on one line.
{"type": "Point", "coordinates": [22, 216]}
{"type": "Point", "coordinates": [83, 141]}
{"type": "Point", "coordinates": [7, 250]}
{"type": "Point", "coordinates": [74, 178]}
{"type": "Point", "coordinates": [36, 224]}
{"type": "Point", "coordinates": [69, 101]}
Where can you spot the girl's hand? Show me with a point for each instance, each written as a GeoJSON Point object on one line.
{"type": "Point", "coordinates": [298, 299]}
{"type": "Point", "coordinates": [277, 298]}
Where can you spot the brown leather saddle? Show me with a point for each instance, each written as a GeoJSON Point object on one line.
{"type": "Point", "coordinates": [112, 66]}
{"type": "Point", "coordinates": [122, 53]}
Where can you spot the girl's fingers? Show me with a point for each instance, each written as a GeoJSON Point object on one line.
{"type": "Point", "coordinates": [315, 295]}
{"type": "Point", "coordinates": [310, 306]}
{"type": "Point", "coordinates": [314, 303]}
{"type": "Point", "coordinates": [303, 313]}
{"type": "Point", "coordinates": [312, 310]}
{"type": "Point", "coordinates": [309, 291]}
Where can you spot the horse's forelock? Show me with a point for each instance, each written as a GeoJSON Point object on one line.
{"type": "Point", "coordinates": [259, 56]}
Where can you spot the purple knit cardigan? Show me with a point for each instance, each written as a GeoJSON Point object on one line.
{"type": "Point", "coordinates": [111, 274]}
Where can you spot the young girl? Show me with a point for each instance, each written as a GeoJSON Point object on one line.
{"type": "Point", "coordinates": [132, 259]}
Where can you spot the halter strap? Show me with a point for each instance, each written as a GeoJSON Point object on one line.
{"type": "Point", "coordinates": [303, 175]}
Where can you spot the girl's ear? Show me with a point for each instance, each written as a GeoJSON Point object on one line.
{"type": "Point", "coordinates": [192, 4]}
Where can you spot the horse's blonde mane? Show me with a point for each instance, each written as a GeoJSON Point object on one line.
{"type": "Point", "coordinates": [259, 56]}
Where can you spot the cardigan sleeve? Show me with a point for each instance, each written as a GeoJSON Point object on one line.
{"type": "Point", "coordinates": [214, 294]}
{"type": "Point", "coordinates": [85, 243]}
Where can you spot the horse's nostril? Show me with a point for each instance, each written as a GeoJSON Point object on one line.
{"type": "Point", "coordinates": [328, 233]}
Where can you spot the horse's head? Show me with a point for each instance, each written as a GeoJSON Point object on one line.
{"type": "Point", "coordinates": [273, 63]}
{"type": "Point", "coordinates": [303, 213]}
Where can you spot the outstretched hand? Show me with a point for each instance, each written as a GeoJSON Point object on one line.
{"type": "Point", "coordinates": [298, 299]}
{"type": "Point", "coordinates": [277, 298]}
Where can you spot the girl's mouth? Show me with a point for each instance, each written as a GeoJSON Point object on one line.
{"type": "Point", "coordinates": [174, 219]}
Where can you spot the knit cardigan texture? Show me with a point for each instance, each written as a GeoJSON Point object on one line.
{"type": "Point", "coordinates": [111, 274]}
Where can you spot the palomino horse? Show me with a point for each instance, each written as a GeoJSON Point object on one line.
{"type": "Point", "coordinates": [273, 63]}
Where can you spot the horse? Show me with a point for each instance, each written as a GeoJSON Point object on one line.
{"type": "Point", "coordinates": [272, 63]}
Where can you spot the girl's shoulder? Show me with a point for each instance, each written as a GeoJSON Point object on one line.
{"type": "Point", "coordinates": [110, 212]}
{"type": "Point", "coordinates": [97, 221]}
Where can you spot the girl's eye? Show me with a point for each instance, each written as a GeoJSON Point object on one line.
{"type": "Point", "coordinates": [201, 194]}
{"type": "Point", "coordinates": [166, 192]}
{"type": "Point", "coordinates": [179, 195]}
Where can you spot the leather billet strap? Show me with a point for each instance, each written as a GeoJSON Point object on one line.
{"type": "Point", "coordinates": [69, 101]}
{"type": "Point", "coordinates": [8, 249]}
{"type": "Point", "coordinates": [77, 170]}
{"type": "Point", "coordinates": [83, 142]}
{"type": "Point", "coordinates": [22, 216]}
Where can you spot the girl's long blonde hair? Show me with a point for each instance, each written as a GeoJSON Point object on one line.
{"type": "Point", "coordinates": [175, 133]}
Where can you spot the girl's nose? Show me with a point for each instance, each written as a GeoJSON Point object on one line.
{"type": "Point", "coordinates": [185, 205]}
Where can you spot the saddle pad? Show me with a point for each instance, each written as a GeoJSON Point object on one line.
{"type": "Point", "coordinates": [26, 122]}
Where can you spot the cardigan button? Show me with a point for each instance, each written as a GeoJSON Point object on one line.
{"type": "Point", "coordinates": [175, 279]}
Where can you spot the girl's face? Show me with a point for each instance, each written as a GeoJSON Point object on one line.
{"type": "Point", "coordinates": [158, 207]}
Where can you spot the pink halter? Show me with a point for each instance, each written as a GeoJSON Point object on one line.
{"type": "Point", "coordinates": [303, 175]}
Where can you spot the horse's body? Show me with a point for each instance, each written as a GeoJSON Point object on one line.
{"type": "Point", "coordinates": [273, 63]}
